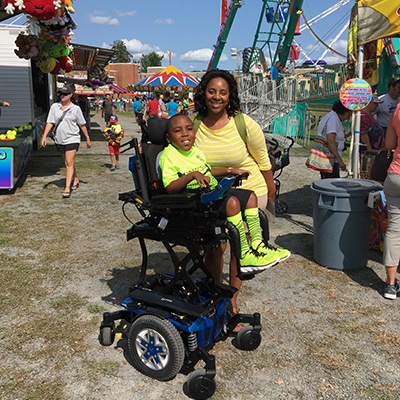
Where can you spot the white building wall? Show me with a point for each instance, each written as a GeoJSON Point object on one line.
{"type": "Point", "coordinates": [15, 82]}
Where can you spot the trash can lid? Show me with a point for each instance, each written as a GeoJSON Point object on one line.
{"type": "Point", "coordinates": [343, 186]}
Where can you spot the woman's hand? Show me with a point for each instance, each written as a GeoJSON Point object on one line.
{"type": "Point", "coordinates": [88, 143]}
{"type": "Point", "coordinates": [341, 164]}
{"type": "Point", "coordinates": [238, 171]}
{"type": "Point", "coordinates": [201, 179]}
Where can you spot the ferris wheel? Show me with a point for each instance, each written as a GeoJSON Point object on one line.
{"type": "Point", "coordinates": [284, 17]}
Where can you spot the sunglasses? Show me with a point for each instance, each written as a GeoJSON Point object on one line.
{"type": "Point", "coordinates": [64, 94]}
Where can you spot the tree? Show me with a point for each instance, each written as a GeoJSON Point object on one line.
{"type": "Point", "coordinates": [150, 60]}
{"type": "Point", "coordinates": [122, 54]}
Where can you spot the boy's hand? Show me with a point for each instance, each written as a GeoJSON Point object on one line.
{"type": "Point", "coordinates": [201, 179]}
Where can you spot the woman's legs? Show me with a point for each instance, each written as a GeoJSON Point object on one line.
{"type": "Point", "coordinates": [71, 177]}
{"type": "Point", "coordinates": [334, 174]}
{"type": "Point", "coordinates": [391, 245]}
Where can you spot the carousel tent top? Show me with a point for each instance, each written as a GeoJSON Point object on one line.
{"type": "Point", "coordinates": [169, 76]}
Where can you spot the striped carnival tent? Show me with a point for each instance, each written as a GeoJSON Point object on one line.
{"type": "Point", "coordinates": [119, 90]}
{"type": "Point", "coordinates": [170, 76]}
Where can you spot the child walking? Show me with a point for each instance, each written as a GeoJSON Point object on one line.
{"type": "Point", "coordinates": [184, 166]}
{"type": "Point", "coordinates": [114, 133]}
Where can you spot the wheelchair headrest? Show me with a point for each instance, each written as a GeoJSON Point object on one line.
{"type": "Point", "coordinates": [156, 128]}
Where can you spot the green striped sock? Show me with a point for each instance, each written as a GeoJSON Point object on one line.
{"type": "Point", "coordinates": [253, 223]}
{"type": "Point", "coordinates": [238, 222]}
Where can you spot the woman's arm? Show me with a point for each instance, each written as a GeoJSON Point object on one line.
{"type": "Point", "coordinates": [365, 139]}
{"type": "Point", "coordinates": [391, 137]}
{"type": "Point", "coordinates": [227, 171]}
{"type": "Point", "coordinates": [85, 132]}
{"type": "Point", "coordinates": [331, 141]}
{"type": "Point", "coordinates": [269, 180]}
{"type": "Point", "coordinates": [45, 133]}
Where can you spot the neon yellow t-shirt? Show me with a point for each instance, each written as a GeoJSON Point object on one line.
{"type": "Point", "coordinates": [176, 163]}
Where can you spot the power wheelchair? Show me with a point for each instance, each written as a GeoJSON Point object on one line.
{"type": "Point", "coordinates": [171, 321]}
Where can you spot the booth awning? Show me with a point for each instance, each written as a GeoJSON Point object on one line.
{"type": "Point", "coordinates": [84, 56]}
{"type": "Point", "coordinates": [119, 89]}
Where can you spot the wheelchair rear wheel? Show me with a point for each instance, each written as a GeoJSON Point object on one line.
{"type": "Point", "coordinates": [156, 347]}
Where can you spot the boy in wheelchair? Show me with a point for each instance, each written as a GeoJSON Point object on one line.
{"type": "Point", "coordinates": [184, 167]}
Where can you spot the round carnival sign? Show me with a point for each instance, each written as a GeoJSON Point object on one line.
{"type": "Point", "coordinates": [355, 94]}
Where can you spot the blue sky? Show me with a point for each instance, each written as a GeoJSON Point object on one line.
{"type": "Point", "coordinates": [189, 29]}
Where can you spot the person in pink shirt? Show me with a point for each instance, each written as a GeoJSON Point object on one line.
{"type": "Point", "coordinates": [391, 245]}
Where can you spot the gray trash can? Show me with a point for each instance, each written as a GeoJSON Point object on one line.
{"type": "Point", "coordinates": [342, 221]}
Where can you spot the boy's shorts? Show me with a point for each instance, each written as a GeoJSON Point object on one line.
{"type": "Point", "coordinates": [242, 195]}
{"type": "Point", "coordinates": [114, 150]}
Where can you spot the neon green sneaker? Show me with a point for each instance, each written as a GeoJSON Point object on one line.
{"type": "Point", "coordinates": [253, 262]}
{"type": "Point", "coordinates": [263, 248]}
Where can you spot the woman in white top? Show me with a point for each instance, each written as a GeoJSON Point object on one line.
{"type": "Point", "coordinates": [69, 120]}
{"type": "Point", "coordinates": [331, 129]}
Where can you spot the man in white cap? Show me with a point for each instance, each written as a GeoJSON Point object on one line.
{"type": "Point", "coordinates": [389, 103]}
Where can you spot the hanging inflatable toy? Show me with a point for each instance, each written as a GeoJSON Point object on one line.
{"type": "Point", "coordinates": [46, 66]}
{"type": "Point", "coordinates": [58, 28]}
{"type": "Point", "coordinates": [43, 10]}
{"type": "Point", "coordinates": [98, 76]}
{"type": "Point", "coordinates": [28, 47]}
{"type": "Point", "coordinates": [55, 49]}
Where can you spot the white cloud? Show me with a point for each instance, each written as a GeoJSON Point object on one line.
{"type": "Point", "coordinates": [167, 21]}
{"type": "Point", "coordinates": [126, 13]}
{"type": "Point", "coordinates": [197, 55]}
{"type": "Point", "coordinates": [106, 46]}
{"type": "Point", "coordinates": [101, 20]}
{"type": "Point", "coordinates": [137, 48]}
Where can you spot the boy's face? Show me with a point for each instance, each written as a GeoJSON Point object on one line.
{"type": "Point", "coordinates": [181, 133]}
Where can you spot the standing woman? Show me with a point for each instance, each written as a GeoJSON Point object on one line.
{"type": "Point", "coordinates": [68, 121]}
{"type": "Point", "coordinates": [331, 129]}
{"type": "Point", "coordinates": [216, 102]}
{"type": "Point", "coordinates": [391, 244]}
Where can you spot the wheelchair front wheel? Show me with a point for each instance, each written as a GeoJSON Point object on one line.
{"type": "Point", "coordinates": [106, 336]}
{"type": "Point", "coordinates": [248, 338]}
{"type": "Point", "coordinates": [199, 386]}
{"type": "Point", "coordinates": [156, 347]}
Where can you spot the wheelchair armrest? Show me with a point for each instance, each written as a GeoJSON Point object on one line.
{"type": "Point", "coordinates": [219, 190]}
{"type": "Point", "coordinates": [176, 201]}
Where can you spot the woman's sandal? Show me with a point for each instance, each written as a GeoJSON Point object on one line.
{"type": "Point", "coordinates": [74, 187]}
{"type": "Point", "coordinates": [66, 195]}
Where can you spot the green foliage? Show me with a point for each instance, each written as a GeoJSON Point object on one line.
{"type": "Point", "coordinates": [150, 60]}
{"type": "Point", "coordinates": [122, 54]}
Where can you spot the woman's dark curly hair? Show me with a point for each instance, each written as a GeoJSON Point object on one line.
{"type": "Point", "coordinates": [339, 108]}
{"type": "Point", "coordinates": [200, 95]}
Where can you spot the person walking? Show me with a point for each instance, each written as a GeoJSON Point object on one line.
{"type": "Point", "coordinates": [137, 105]}
{"type": "Point", "coordinates": [67, 120]}
{"type": "Point", "coordinates": [153, 108]}
{"type": "Point", "coordinates": [331, 129]}
{"type": "Point", "coordinates": [391, 188]}
{"type": "Point", "coordinates": [172, 107]}
{"type": "Point", "coordinates": [108, 109]}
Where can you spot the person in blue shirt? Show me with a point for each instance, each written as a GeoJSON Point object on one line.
{"type": "Point", "coordinates": [172, 107]}
{"type": "Point", "coordinates": [275, 71]}
{"type": "Point", "coordinates": [137, 105]}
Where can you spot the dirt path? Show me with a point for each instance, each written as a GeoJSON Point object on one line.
{"type": "Point", "coordinates": [326, 334]}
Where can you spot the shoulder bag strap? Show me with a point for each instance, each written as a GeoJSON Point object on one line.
{"type": "Point", "coordinates": [57, 124]}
